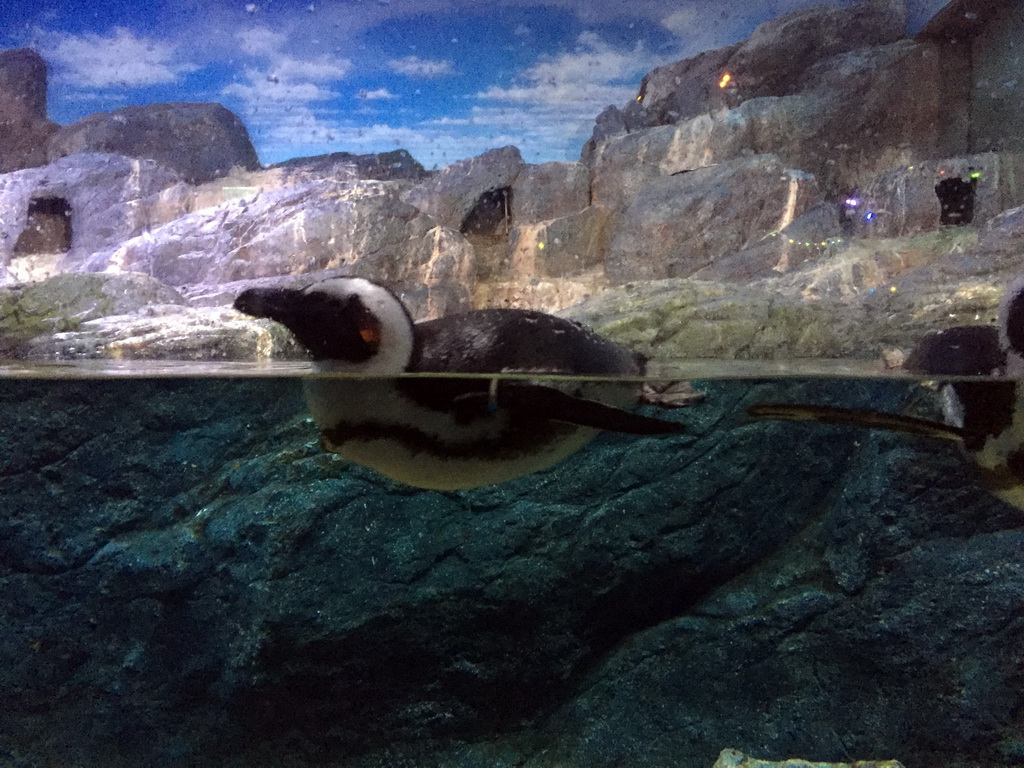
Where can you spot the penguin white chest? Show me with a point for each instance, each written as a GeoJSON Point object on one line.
{"type": "Point", "coordinates": [373, 423]}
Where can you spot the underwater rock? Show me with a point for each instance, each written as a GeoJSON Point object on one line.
{"type": "Point", "coordinates": [80, 205]}
{"type": "Point", "coordinates": [676, 224]}
{"type": "Point", "coordinates": [186, 579]}
{"type": "Point", "coordinates": [24, 126]}
{"type": "Point", "coordinates": [451, 193]}
{"type": "Point", "coordinates": [733, 758]}
{"type": "Point", "coordinates": [199, 140]}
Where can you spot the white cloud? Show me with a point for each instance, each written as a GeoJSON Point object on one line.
{"type": "Point", "coordinates": [683, 20]}
{"type": "Point", "coordinates": [317, 69]}
{"type": "Point", "coordinates": [117, 59]}
{"type": "Point", "coordinates": [550, 101]}
{"type": "Point", "coordinates": [590, 77]}
{"type": "Point", "coordinates": [414, 66]}
{"type": "Point", "coordinates": [449, 121]}
{"type": "Point", "coordinates": [375, 95]}
{"type": "Point", "coordinates": [283, 98]}
{"type": "Point", "coordinates": [261, 41]}
{"type": "Point", "coordinates": [259, 92]}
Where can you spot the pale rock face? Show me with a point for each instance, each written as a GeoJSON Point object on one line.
{"type": "Point", "coordinates": [549, 191]}
{"type": "Point", "coordinates": [680, 223]}
{"type": "Point", "coordinates": [308, 229]}
{"type": "Point", "coordinates": [108, 199]}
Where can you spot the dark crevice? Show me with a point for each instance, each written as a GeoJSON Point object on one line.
{"type": "Point", "coordinates": [491, 216]}
{"type": "Point", "coordinates": [956, 200]}
{"type": "Point", "coordinates": [48, 228]}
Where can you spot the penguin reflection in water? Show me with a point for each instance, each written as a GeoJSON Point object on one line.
{"type": "Point", "coordinates": [446, 432]}
{"type": "Point", "coordinates": [986, 416]}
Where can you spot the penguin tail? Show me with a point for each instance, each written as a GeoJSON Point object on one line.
{"type": "Point", "coordinates": [860, 418]}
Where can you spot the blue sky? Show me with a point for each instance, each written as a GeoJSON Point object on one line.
{"type": "Point", "coordinates": [445, 79]}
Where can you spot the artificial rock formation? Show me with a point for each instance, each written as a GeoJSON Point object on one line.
{"type": "Point", "coordinates": [186, 579]}
{"type": "Point", "coordinates": [384, 166]}
{"type": "Point", "coordinates": [808, 184]}
{"type": "Point", "coordinates": [96, 200]}
{"type": "Point", "coordinates": [304, 230]}
{"type": "Point", "coordinates": [449, 195]}
{"type": "Point", "coordinates": [24, 127]}
{"type": "Point", "coordinates": [201, 141]}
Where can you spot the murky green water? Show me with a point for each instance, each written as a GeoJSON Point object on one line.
{"type": "Point", "coordinates": [187, 579]}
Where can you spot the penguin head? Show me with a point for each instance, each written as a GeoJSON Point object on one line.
{"type": "Point", "coordinates": [348, 324]}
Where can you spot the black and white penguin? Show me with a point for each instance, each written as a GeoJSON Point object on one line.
{"type": "Point", "coordinates": [444, 432]}
{"type": "Point", "coordinates": [986, 415]}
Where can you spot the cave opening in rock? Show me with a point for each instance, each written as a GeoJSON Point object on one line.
{"type": "Point", "coordinates": [956, 200]}
{"type": "Point", "coordinates": [487, 227]}
{"type": "Point", "coordinates": [490, 217]}
{"type": "Point", "coordinates": [48, 228]}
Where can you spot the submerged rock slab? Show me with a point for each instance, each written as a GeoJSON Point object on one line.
{"type": "Point", "coordinates": [733, 758]}
{"type": "Point", "coordinates": [187, 579]}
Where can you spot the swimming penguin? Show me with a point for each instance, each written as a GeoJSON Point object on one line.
{"type": "Point", "coordinates": [986, 416]}
{"type": "Point", "coordinates": [445, 433]}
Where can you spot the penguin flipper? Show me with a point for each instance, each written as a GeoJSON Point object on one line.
{"type": "Point", "coordinates": [539, 402]}
{"type": "Point", "coordinates": [861, 418]}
